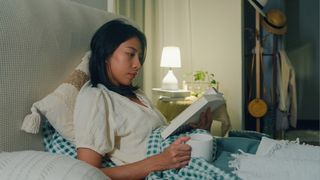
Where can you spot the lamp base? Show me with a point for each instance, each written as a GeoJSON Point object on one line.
{"type": "Point", "coordinates": [170, 82]}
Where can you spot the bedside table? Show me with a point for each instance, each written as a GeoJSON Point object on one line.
{"type": "Point", "coordinates": [171, 102]}
{"type": "Point", "coordinates": [171, 107]}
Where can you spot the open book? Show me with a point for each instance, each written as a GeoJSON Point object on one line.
{"type": "Point", "coordinates": [211, 98]}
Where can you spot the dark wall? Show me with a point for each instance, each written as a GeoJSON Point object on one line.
{"type": "Point", "coordinates": [302, 45]}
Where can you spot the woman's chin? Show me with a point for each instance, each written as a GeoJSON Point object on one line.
{"type": "Point", "coordinates": [126, 84]}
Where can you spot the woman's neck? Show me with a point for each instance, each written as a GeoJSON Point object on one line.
{"type": "Point", "coordinates": [137, 100]}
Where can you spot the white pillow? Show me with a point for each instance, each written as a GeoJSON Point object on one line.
{"type": "Point", "coordinates": [31, 165]}
{"type": "Point", "coordinates": [58, 106]}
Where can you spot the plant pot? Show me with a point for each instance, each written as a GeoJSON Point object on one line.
{"type": "Point", "coordinates": [198, 87]}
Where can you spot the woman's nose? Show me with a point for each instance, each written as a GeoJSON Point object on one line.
{"type": "Point", "coordinates": [136, 62]}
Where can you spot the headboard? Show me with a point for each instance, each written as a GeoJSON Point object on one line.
{"type": "Point", "coordinates": [41, 42]}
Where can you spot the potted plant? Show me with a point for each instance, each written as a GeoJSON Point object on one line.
{"type": "Point", "coordinates": [200, 81]}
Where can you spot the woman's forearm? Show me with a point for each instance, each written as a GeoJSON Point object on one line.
{"type": "Point", "coordinates": [177, 155]}
{"type": "Point", "coordinates": [136, 170]}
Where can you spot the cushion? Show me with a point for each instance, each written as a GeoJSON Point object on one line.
{"type": "Point", "coordinates": [57, 107]}
{"type": "Point", "coordinates": [30, 165]}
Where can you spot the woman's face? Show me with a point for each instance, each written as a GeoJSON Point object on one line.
{"type": "Point", "coordinates": [124, 64]}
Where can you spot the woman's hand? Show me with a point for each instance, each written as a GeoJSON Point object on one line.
{"type": "Point", "coordinates": [177, 155]}
{"type": "Point", "coordinates": [205, 121]}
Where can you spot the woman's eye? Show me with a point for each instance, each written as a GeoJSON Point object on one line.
{"type": "Point", "coordinates": [130, 54]}
{"type": "Point", "coordinates": [140, 58]}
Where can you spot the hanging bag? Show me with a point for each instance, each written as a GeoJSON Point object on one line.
{"type": "Point", "coordinates": [257, 107]}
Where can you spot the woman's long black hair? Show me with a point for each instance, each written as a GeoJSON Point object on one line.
{"type": "Point", "coordinates": [103, 44]}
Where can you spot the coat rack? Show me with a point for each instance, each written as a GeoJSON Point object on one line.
{"type": "Point", "coordinates": [257, 107]}
{"type": "Point", "coordinates": [258, 52]}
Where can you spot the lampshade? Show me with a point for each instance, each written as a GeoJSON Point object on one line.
{"type": "Point", "coordinates": [170, 57]}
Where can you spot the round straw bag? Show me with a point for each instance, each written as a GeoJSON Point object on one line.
{"type": "Point", "coordinates": [257, 108]}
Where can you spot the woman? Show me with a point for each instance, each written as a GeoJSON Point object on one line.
{"type": "Point", "coordinates": [113, 118]}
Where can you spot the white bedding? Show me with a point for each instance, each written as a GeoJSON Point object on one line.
{"type": "Point", "coordinates": [279, 160]}
{"type": "Point", "coordinates": [38, 165]}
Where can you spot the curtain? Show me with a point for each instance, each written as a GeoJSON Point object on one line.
{"type": "Point", "coordinates": [164, 22]}
{"type": "Point", "coordinates": [208, 33]}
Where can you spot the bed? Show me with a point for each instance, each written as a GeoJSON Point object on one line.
{"type": "Point", "coordinates": [43, 43]}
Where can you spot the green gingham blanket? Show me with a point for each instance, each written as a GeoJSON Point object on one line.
{"type": "Point", "coordinates": [55, 143]}
{"type": "Point", "coordinates": [197, 169]}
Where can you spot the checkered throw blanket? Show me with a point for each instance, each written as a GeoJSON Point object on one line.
{"type": "Point", "coordinates": [197, 169]}
{"type": "Point", "coordinates": [55, 143]}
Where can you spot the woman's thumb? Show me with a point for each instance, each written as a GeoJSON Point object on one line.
{"type": "Point", "coordinates": [181, 140]}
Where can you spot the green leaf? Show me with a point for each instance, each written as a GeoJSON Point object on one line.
{"type": "Point", "coordinates": [199, 75]}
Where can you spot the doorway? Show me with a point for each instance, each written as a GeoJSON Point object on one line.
{"type": "Point", "coordinates": [301, 43]}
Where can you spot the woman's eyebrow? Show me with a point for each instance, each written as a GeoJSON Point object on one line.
{"type": "Point", "coordinates": [133, 48]}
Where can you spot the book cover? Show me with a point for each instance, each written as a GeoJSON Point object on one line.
{"type": "Point", "coordinates": [211, 98]}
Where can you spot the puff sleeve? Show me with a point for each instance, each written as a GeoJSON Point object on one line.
{"type": "Point", "coordinates": [93, 127]}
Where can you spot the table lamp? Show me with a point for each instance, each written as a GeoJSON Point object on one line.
{"type": "Point", "coordinates": [170, 58]}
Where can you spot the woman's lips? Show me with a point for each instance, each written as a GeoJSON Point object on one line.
{"type": "Point", "coordinates": [133, 74]}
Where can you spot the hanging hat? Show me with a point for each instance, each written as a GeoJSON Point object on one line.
{"type": "Point", "coordinates": [258, 5]}
{"type": "Point", "coordinates": [275, 22]}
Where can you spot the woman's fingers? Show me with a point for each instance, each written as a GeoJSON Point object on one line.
{"type": "Point", "coordinates": [205, 120]}
{"type": "Point", "coordinates": [200, 123]}
{"type": "Point", "coordinates": [179, 148]}
{"type": "Point", "coordinates": [209, 115]}
{"type": "Point", "coordinates": [181, 140]}
{"type": "Point", "coordinates": [181, 159]}
{"type": "Point", "coordinates": [184, 149]}
{"type": "Point", "coordinates": [209, 119]}
{"type": "Point", "coordinates": [184, 159]}
{"type": "Point", "coordinates": [178, 153]}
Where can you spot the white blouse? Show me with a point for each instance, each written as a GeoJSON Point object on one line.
{"type": "Point", "coordinates": [110, 123]}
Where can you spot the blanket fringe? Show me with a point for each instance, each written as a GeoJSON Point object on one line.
{"type": "Point", "coordinates": [235, 163]}
{"type": "Point", "coordinates": [31, 122]}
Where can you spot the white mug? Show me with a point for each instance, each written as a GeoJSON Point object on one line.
{"type": "Point", "coordinates": [201, 146]}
